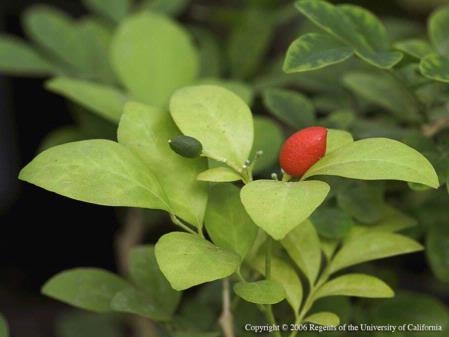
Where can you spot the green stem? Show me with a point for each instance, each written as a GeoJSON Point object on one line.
{"type": "Point", "coordinates": [268, 308]}
{"type": "Point", "coordinates": [311, 298]}
{"type": "Point", "coordinates": [179, 223]}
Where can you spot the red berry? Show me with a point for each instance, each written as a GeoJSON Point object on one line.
{"type": "Point", "coordinates": [303, 149]}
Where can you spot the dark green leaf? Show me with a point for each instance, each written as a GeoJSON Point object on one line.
{"type": "Point", "coordinates": [332, 223]}
{"type": "Point", "coordinates": [114, 10]}
{"type": "Point", "coordinates": [210, 53]}
{"type": "Point", "coordinates": [86, 288]}
{"type": "Point", "coordinates": [415, 47]}
{"type": "Point", "coordinates": [85, 324]}
{"type": "Point", "coordinates": [65, 134]}
{"type": "Point", "coordinates": [435, 67]}
{"type": "Point", "coordinates": [227, 222]}
{"type": "Point", "coordinates": [290, 107]}
{"type": "Point", "coordinates": [437, 251]}
{"type": "Point", "coordinates": [315, 51]}
{"type": "Point", "coordinates": [439, 30]}
{"type": "Point", "coordinates": [18, 58]}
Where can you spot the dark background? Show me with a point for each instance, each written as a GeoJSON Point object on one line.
{"type": "Point", "coordinates": [41, 233]}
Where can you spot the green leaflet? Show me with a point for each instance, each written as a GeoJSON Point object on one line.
{"type": "Point", "coordinates": [435, 67]}
{"type": "Point", "coordinates": [438, 27]}
{"type": "Point", "coordinates": [355, 27]}
{"type": "Point", "coordinates": [336, 139]}
{"type": "Point", "coordinates": [209, 52]}
{"type": "Point", "coordinates": [146, 131]}
{"type": "Point", "coordinates": [413, 307]}
{"type": "Point", "coordinates": [372, 246]}
{"type": "Point", "coordinates": [358, 285]}
{"type": "Point", "coordinates": [385, 91]}
{"type": "Point", "coordinates": [219, 175]}
{"type": "Point", "coordinates": [104, 100]}
{"type": "Point", "coordinates": [218, 118]}
{"type": "Point", "coordinates": [315, 51]}
{"type": "Point", "coordinates": [268, 137]}
{"type": "Point", "coordinates": [87, 288]}
{"type": "Point", "coordinates": [97, 171]}
{"type": "Point", "coordinates": [374, 159]}
{"type": "Point", "coordinates": [151, 296]}
{"type": "Point", "coordinates": [323, 318]}
{"type": "Point", "coordinates": [149, 66]}
{"type": "Point", "coordinates": [19, 58]}
{"type": "Point", "coordinates": [437, 251]}
{"type": "Point", "coordinates": [278, 207]}
{"type": "Point", "coordinates": [54, 31]}
{"type": "Point", "coordinates": [4, 330]}
{"type": "Point", "coordinates": [98, 36]}
{"type": "Point", "coordinates": [249, 41]}
{"type": "Point", "coordinates": [227, 222]}
{"type": "Point", "coordinates": [414, 47]}
{"type": "Point", "coordinates": [303, 246]}
{"type": "Point", "coordinates": [114, 10]}
{"type": "Point", "coordinates": [86, 324]}
{"type": "Point", "coordinates": [187, 260]}
{"type": "Point", "coordinates": [284, 274]}
{"type": "Point", "coordinates": [260, 292]}
{"type": "Point", "coordinates": [331, 222]}
{"type": "Point", "coordinates": [290, 107]}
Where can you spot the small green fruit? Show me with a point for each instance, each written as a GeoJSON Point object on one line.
{"type": "Point", "coordinates": [186, 146]}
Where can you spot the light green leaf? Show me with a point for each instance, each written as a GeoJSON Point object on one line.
{"type": "Point", "coordinates": [18, 58]}
{"type": "Point", "coordinates": [285, 275]}
{"type": "Point", "coordinates": [372, 246]}
{"type": "Point", "coordinates": [260, 292]}
{"type": "Point", "coordinates": [146, 275]}
{"type": "Point", "coordinates": [414, 47]}
{"type": "Point", "coordinates": [227, 222]}
{"type": "Point", "coordinates": [268, 137]}
{"type": "Point", "coordinates": [219, 175]}
{"type": "Point", "coordinates": [384, 91]}
{"type": "Point", "coordinates": [98, 36]}
{"type": "Point", "coordinates": [435, 67]}
{"type": "Point", "coordinates": [358, 285]}
{"type": "Point", "coordinates": [86, 288]}
{"type": "Point", "coordinates": [62, 135]}
{"type": "Point", "coordinates": [4, 330]}
{"type": "Point", "coordinates": [328, 246]}
{"type": "Point", "coordinates": [104, 100]}
{"type": "Point", "coordinates": [153, 56]}
{"type": "Point", "coordinates": [374, 159]}
{"type": "Point", "coordinates": [439, 30]}
{"type": "Point", "coordinates": [57, 33]}
{"type": "Point", "coordinates": [278, 207]}
{"type": "Point", "coordinates": [437, 251]}
{"type": "Point", "coordinates": [323, 318]}
{"type": "Point", "coordinates": [315, 51]}
{"type": "Point", "coordinates": [290, 107]}
{"type": "Point", "coordinates": [114, 10]}
{"type": "Point", "coordinates": [97, 171]}
{"type": "Point", "coordinates": [146, 131]}
{"type": "Point", "coordinates": [303, 246]}
{"type": "Point", "coordinates": [337, 139]}
{"type": "Point", "coordinates": [187, 260]}
{"type": "Point", "coordinates": [241, 89]}
{"type": "Point", "coordinates": [331, 222]}
{"type": "Point", "coordinates": [249, 41]}
{"type": "Point", "coordinates": [218, 118]}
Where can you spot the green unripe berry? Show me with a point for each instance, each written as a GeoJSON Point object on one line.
{"type": "Point", "coordinates": [186, 146]}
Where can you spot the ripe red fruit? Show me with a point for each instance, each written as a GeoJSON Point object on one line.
{"type": "Point", "coordinates": [303, 149]}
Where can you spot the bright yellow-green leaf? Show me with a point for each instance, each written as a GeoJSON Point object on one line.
{"type": "Point", "coordinates": [260, 292]}
{"type": "Point", "coordinates": [323, 318]}
{"type": "Point", "coordinates": [375, 159]}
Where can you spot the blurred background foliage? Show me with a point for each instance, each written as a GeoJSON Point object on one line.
{"type": "Point", "coordinates": [77, 50]}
